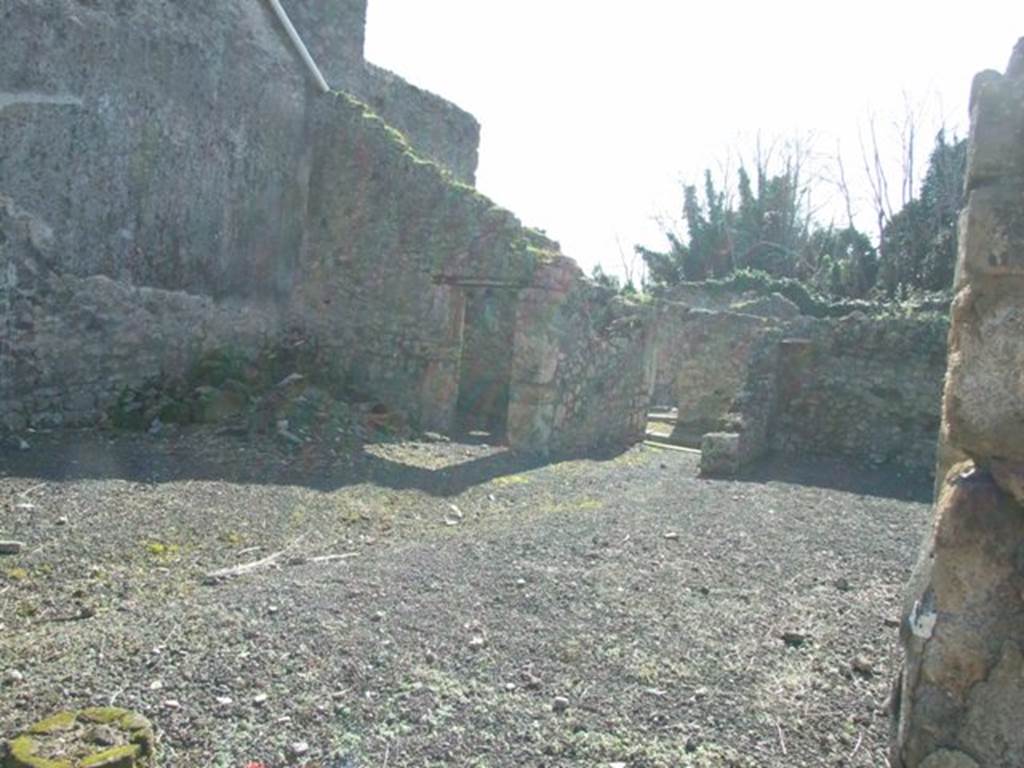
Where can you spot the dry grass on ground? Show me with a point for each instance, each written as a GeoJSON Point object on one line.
{"type": "Point", "coordinates": [603, 612]}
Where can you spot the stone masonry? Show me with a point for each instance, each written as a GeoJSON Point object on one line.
{"type": "Point", "coordinates": [172, 185]}
{"type": "Point", "coordinates": [749, 377]}
{"type": "Point", "coordinates": [961, 691]}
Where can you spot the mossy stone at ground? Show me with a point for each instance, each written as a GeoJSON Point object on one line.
{"type": "Point", "coordinates": [72, 740]}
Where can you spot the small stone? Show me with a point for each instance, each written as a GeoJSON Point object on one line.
{"type": "Point", "coordinates": [13, 677]}
{"type": "Point", "coordinates": [672, 536]}
{"type": "Point", "coordinates": [862, 665]}
{"type": "Point", "coordinates": [62, 520]}
{"type": "Point", "coordinates": [260, 699]}
{"type": "Point", "coordinates": [11, 547]}
{"type": "Point", "coordinates": [510, 687]}
{"type": "Point", "coordinates": [794, 639]}
{"type": "Point", "coordinates": [520, 582]}
{"type": "Point", "coordinates": [224, 701]}
{"type": "Point", "coordinates": [378, 616]}
{"type": "Point", "coordinates": [298, 748]}
{"type": "Point", "coordinates": [842, 584]}
{"type": "Point", "coordinates": [171, 704]}
{"type": "Point", "coordinates": [103, 736]}
{"type": "Point", "coordinates": [531, 681]}
{"type": "Point", "coordinates": [477, 642]}
{"type": "Point", "coordinates": [156, 685]}
{"type": "Point", "coordinates": [23, 445]}
{"type": "Point", "coordinates": [559, 704]}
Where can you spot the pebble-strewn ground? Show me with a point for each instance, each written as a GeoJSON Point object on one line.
{"type": "Point", "coordinates": [616, 612]}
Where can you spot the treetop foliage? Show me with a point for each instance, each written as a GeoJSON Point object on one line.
{"type": "Point", "coordinates": [769, 229]}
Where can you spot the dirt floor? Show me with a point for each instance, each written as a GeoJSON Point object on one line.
{"type": "Point", "coordinates": [613, 611]}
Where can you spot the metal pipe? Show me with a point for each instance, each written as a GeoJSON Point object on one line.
{"type": "Point", "coordinates": [300, 46]}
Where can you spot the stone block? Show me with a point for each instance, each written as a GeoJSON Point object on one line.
{"type": "Point", "coordinates": [720, 454]}
{"type": "Point", "coordinates": [996, 148]}
{"type": "Point", "coordinates": [530, 427]}
{"type": "Point", "coordinates": [945, 758]}
{"type": "Point", "coordinates": [992, 233]}
{"type": "Point", "coordinates": [963, 616]}
{"type": "Point", "coordinates": [983, 407]}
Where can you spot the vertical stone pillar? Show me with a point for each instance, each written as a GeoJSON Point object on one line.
{"type": "Point", "coordinates": [439, 389]}
{"type": "Point", "coordinates": [960, 701]}
{"type": "Point", "coordinates": [533, 390]}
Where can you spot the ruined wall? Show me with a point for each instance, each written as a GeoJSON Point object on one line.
{"type": "Point", "coordinates": [167, 146]}
{"type": "Point", "coordinates": [387, 242]}
{"type": "Point", "coordinates": [70, 346]}
{"type": "Point", "coordinates": [961, 690]}
{"type": "Point", "coordinates": [864, 388]}
{"type": "Point", "coordinates": [174, 150]}
{"type": "Point", "coordinates": [861, 387]}
{"type": "Point", "coordinates": [702, 361]}
{"type": "Point", "coordinates": [334, 31]}
{"type": "Point", "coordinates": [186, 153]}
{"type": "Point", "coordinates": [582, 365]}
{"type": "Point", "coordinates": [437, 129]}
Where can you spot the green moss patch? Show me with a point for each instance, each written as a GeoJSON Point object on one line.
{"type": "Point", "coordinates": [97, 737]}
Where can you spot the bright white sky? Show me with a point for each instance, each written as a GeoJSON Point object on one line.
{"type": "Point", "coordinates": [593, 113]}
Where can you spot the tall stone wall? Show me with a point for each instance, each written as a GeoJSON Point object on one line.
{"type": "Point", "coordinates": [388, 242]}
{"type": "Point", "coordinates": [165, 145]}
{"type": "Point", "coordinates": [961, 691]}
{"type": "Point", "coordinates": [195, 193]}
{"type": "Point", "coordinates": [334, 32]}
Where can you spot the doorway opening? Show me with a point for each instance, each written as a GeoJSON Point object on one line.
{"type": "Point", "coordinates": [486, 364]}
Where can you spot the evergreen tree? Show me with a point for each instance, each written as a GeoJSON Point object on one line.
{"type": "Point", "coordinates": [919, 244]}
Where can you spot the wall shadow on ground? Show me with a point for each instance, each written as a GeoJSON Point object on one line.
{"type": "Point", "coordinates": [885, 481]}
{"type": "Point", "coordinates": [135, 458]}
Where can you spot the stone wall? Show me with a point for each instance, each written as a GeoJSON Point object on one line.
{"type": "Point", "coordinates": [168, 146]}
{"type": "Point", "coordinates": [197, 193]}
{"type": "Point", "coordinates": [861, 387]}
{"type": "Point", "coordinates": [388, 243]}
{"type": "Point", "coordinates": [164, 145]}
{"type": "Point", "coordinates": [437, 129]}
{"type": "Point", "coordinates": [582, 366]}
{"type": "Point", "coordinates": [702, 361]}
{"type": "Point", "coordinates": [333, 31]}
{"type": "Point", "coordinates": [71, 346]}
{"type": "Point", "coordinates": [961, 689]}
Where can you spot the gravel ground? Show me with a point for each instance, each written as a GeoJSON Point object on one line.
{"type": "Point", "coordinates": [603, 612]}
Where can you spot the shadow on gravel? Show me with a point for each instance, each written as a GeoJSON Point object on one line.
{"type": "Point", "coordinates": [134, 458]}
{"type": "Point", "coordinates": [885, 481]}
